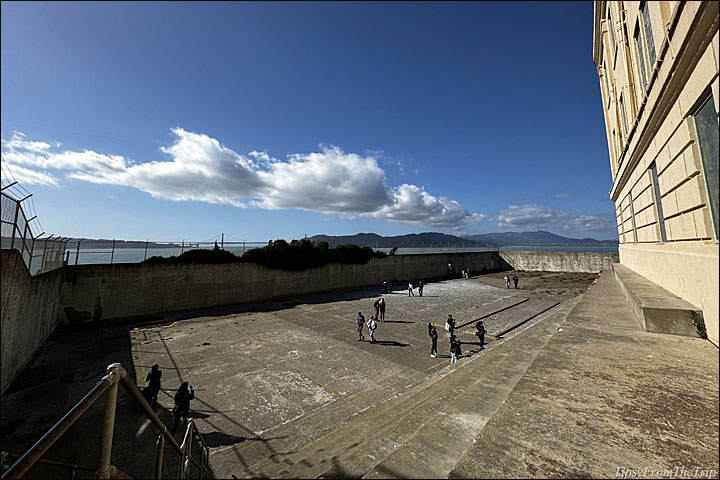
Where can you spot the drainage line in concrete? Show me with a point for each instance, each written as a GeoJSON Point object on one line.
{"type": "Point", "coordinates": [492, 313]}
{"type": "Point", "coordinates": [498, 335]}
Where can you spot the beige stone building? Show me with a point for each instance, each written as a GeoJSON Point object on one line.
{"type": "Point", "coordinates": [657, 64]}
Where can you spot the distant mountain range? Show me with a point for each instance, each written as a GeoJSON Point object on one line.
{"type": "Point", "coordinates": [524, 238]}
{"type": "Point", "coordinates": [503, 238]}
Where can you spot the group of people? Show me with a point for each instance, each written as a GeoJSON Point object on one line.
{"type": "Point", "coordinates": [411, 287]}
{"type": "Point", "coordinates": [507, 281]}
{"type": "Point", "coordinates": [387, 288]}
{"type": "Point", "coordinates": [455, 344]}
{"type": "Point", "coordinates": [372, 326]}
{"type": "Point", "coordinates": [182, 398]}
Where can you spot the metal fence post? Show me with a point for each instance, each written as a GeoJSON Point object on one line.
{"type": "Point", "coordinates": [109, 422]}
{"type": "Point", "coordinates": [77, 252]}
{"type": "Point", "coordinates": [112, 254]}
{"type": "Point", "coordinates": [146, 244]}
{"type": "Point", "coordinates": [17, 210]}
{"type": "Point", "coordinates": [32, 251]}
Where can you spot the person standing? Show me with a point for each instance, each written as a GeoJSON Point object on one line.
{"type": "Point", "coordinates": [507, 281]}
{"type": "Point", "coordinates": [432, 331]}
{"type": "Point", "coordinates": [410, 289]}
{"type": "Point", "coordinates": [480, 333]}
{"type": "Point", "coordinates": [515, 280]}
{"type": "Point", "coordinates": [360, 324]}
{"type": "Point", "coordinates": [376, 306]}
{"type": "Point", "coordinates": [420, 287]}
{"type": "Point", "coordinates": [382, 309]}
{"type": "Point", "coordinates": [450, 326]}
{"type": "Point", "coordinates": [154, 386]}
{"type": "Point", "coordinates": [182, 405]}
{"type": "Point", "coordinates": [455, 349]}
{"type": "Point", "coordinates": [372, 325]}
{"type": "Point", "coordinates": [385, 285]}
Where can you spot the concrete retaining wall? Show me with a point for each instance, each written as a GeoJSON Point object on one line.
{"type": "Point", "coordinates": [136, 289]}
{"type": "Point", "coordinates": [586, 262]}
{"type": "Point", "coordinates": [29, 313]}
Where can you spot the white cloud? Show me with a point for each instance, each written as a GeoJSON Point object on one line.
{"type": "Point", "coordinates": [536, 217]}
{"type": "Point", "coordinates": [31, 177]}
{"type": "Point", "coordinates": [412, 204]}
{"type": "Point", "coordinates": [199, 168]}
{"type": "Point", "coordinates": [562, 195]}
{"type": "Point", "coordinates": [326, 181]}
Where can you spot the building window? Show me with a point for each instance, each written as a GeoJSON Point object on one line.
{"type": "Point", "coordinates": [641, 57]}
{"type": "Point", "coordinates": [644, 7]}
{"type": "Point", "coordinates": [706, 125]}
{"type": "Point", "coordinates": [607, 84]}
{"type": "Point", "coordinates": [622, 116]}
{"type": "Point", "coordinates": [658, 202]}
{"type": "Point", "coordinates": [611, 30]}
{"type": "Point", "coordinates": [632, 217]}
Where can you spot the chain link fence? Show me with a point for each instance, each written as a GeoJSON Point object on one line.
{"type": "Point", "coordinates": [92, 251]}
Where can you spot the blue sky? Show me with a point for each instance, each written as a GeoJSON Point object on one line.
{"type": "Point", "coordinates": [264, 120]}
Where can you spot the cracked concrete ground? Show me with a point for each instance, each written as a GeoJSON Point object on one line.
{"type": "Point", "coordinates": [257, 369]}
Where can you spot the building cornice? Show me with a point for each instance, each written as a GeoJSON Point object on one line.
{"type": "Point", "coordinates": [597, 30]}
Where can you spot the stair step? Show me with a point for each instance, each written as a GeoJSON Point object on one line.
{"type": "Point", "coordinates": [362, 444]}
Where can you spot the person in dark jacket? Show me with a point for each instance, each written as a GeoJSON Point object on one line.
{"type": "Point", "coordinates": [515, 281]}
{"type": "Point", "coordinates": [182, 404]}
{"type": "Point", "coordinates": [455, 349]}
{"type": "Point", "coordinates": [480, 333]}
{"type": "Point", "coordinates": [432, 331]}
{"type": "Point", "coordinates": [154, 386]}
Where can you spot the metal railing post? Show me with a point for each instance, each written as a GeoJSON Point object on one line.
{"type": "Point", "coordinates": [112, 254]}
{"type": "Point", "coordinates": [160, 448]}
{"type": "Point", "coordinates": [104, 468]}
{"type": "Point", "coordinates": [146, 244]}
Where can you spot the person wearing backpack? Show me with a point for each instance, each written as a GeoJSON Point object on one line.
{"type": "Point", "coordinates": [376, 306]}
{"type": "Point", "coordinates": [432, 331]}
{"type": "Point", "coordinates": [360, 324]}
{"type": "Point", "coordinates": [372, 325]}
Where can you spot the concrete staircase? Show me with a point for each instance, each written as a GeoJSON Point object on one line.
{"type": "Point", "coordinates": [425, 428]}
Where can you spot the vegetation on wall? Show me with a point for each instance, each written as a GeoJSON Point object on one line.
{"type": "Point", "coordinates": [279, 254]}
{"type": "Point", "coordinates": [699, 323]}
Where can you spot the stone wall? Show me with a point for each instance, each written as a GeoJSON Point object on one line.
{"type": "Point", "coordinates": [587, 262]}
{"type": "Point", "coordinates": [140, 289]}
{"type": "Point", "coordinates": [29, 313]}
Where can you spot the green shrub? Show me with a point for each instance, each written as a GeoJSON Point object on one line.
{"type": "Point", "coordinates": [303, 254]}
{"type": "Point", "coordinates": [699, 323]}
{"type": "Point", "coordinates": [279, 254]}
{"type": "Point", "coordinates": [213, 256]}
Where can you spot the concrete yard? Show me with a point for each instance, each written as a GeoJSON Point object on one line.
{"type": "Point", "coordinates": [284, 389]}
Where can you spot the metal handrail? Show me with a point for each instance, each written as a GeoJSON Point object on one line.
{"type": "Point", "coordinates": [116, 375]}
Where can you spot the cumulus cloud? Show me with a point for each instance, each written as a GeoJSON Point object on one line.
{"type": "Point", "coordinates": [200, 168]}
{"type": "Point", "coordinates": [412, 204]}
{"type": "Point", "coordinates": [328, 181]}
{"type": "Point", "coordinates": [536, 217]}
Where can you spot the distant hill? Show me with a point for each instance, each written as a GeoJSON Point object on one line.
{"type": "Point", "coordinates": [372, 239]}
{"type": "Point", "coordinates": [524, 238]}
{"type": "Point", "coordinates": [500, 238]}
